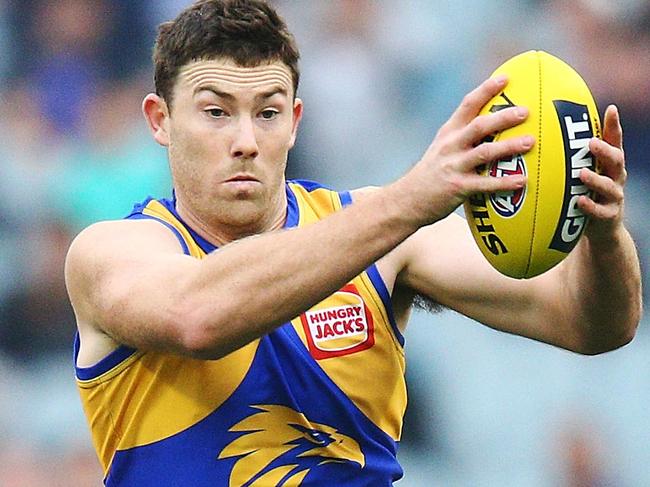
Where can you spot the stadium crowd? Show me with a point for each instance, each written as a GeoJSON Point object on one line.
{"type": "Point", "coordinates": [378, 77]}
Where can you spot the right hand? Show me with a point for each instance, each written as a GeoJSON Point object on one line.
{"type": "Point", "coordinates": [447, 173]}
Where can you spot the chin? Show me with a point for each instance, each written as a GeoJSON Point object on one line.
{"type": "Point", "coordinates": [242, 213]}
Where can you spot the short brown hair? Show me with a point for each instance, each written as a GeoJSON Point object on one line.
{"type": "Point", "coordinates": [249, 32]}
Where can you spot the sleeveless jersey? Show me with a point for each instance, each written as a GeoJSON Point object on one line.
{"type": "Point", "coordinates": [318, 401]}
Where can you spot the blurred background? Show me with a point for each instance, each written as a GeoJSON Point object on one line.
{"type": "Point", "coordinates": [378, 79]}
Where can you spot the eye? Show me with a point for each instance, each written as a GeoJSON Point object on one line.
{"type": "Point", "coordinates": [269, 114]}
{"type": "Point", "coordinates": [317, 437]}
{"type": "Point", "coordinates": [216, 112]}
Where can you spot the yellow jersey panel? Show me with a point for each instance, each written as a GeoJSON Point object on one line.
{"type": "Point", "coordinates": [336, 329]}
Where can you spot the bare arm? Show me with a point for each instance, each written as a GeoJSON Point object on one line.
{"type": "Point", "coordinates": [590, 303]}
{"type": "Point", "coordinates": [604, 278]}
{"type": "Point", "coordinates": [129, 279]}
{"type": "Point", "coordinates": [129, 283]}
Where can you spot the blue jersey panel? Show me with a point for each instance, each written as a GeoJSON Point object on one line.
{"type": "Point", "coordinates": [286, 421]}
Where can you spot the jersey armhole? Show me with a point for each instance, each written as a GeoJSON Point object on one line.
{"type": "Point", "coordinates": [377, 281]}
{"type": "Point", "coordinates": [106, 364]}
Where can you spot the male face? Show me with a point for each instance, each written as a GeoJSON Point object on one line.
{"type": "Point", "coordinates": [229, 131]}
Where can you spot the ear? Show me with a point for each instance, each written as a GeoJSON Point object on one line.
{"type": "Point", "coordinates": [297, 116]}
{"type": "Point", "coordinates": [156, 113]}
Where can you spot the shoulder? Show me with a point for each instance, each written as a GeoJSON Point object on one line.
{"type": "Point", "coordinates": [102, 263]}
{"type": "Point", "coordinates": [122, 235]}
{"type": "Point", "coordinates": [105, 244]}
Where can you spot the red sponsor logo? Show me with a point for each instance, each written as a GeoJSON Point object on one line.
{"type": "Point", "coordinates": [340, 325]}
{"type": "Point", "coordinates": [508, 203]}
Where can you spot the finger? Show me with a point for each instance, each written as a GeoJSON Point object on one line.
{"type": "Point", "coordinates": [496, 151]}
{"type": "Point", "coordinates": [611, 160]}
{"type": "Point", "coordinates": [477, 99]}
{"type": "Point", "coordinates": [482, 126]}
{"type": "Point", "coordinates": [485, 184]}
{"type": "Point", "coordinates": [606, 189]}
{"type": "Point", "coordinates": [590, 208]}
{"type": "Point", "coordinates": [612, 130]}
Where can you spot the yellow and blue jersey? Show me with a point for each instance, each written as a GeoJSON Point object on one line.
{"type": "Point", "coordinates": [318, 401]}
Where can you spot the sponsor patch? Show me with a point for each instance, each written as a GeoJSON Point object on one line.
{"type": "Point", "coordinates": [340, 325]}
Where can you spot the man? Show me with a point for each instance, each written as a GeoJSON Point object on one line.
{"type": "Point", "coordinates": [249, 331]}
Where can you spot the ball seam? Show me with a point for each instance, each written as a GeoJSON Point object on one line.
{"type": "Point", "coordinates": [539, 165]}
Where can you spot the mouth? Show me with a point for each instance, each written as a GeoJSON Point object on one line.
{"type": "Point", "coordinates": [242, 185]}
{"type": "Point", "coordinates": [242, 178]}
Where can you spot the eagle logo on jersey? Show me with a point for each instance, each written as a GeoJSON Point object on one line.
{"type": "Point", "coordinates": [280, 446]}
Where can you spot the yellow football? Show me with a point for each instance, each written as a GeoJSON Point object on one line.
{"type": "Point", "coordinates": [525, 233]}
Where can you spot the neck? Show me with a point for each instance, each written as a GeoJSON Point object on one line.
{"type": "Point", "coordinates": [220, 230]}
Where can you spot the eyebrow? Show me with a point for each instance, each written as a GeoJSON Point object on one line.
{"type": "Point", "coordinates": [230, 97]}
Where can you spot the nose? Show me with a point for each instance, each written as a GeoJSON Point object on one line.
{"type": "Point", "coordinates": [244, 144]}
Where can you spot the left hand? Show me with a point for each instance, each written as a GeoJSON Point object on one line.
{"type": "Point", "coordinates": [606, 208]}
